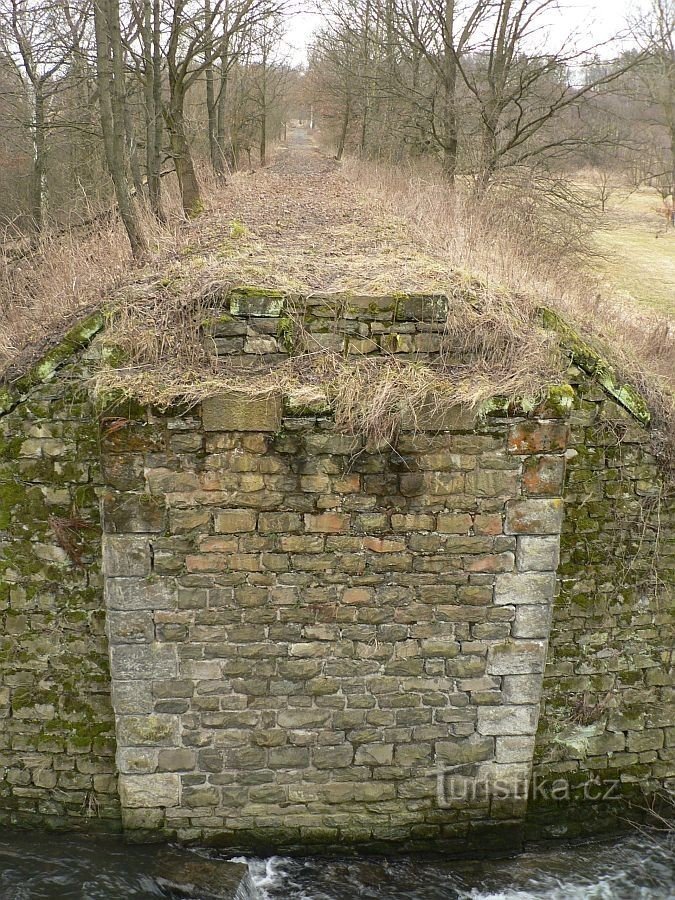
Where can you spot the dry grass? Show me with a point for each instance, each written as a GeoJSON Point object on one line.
{"type": "Point", "coordinates": [538, 243]}
{"type": "Point", "coordinates": [306, 224]}
{"type": "Point", "coordinates": [162, 358]}
{"type": "Point", "coordinates": [66, 273]}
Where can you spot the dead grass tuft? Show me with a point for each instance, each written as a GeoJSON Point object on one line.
{"type": "Point", "coordinates": [304, 224]}
{"type": "Point", "coordinates": [534, 237]}
{"type": "Point", "coordinates": [159, 355]}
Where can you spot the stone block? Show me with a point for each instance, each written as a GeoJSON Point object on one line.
{"type": "Point", "coordinates": [407, 755]}
{"type": "Point", "coordinates": [143, 819]}
{"type": "Point", "coordinates": [494, 483]}
{"type": "Point", "coordinates": [199, 795]}
{"type": "Point", "coordinates": [538, 437]}
{"type": "Point", "coordinates": [235, 521]}
{"type": "Point", "coordinates": [607, 742]}
{"type": "Point", "coordinates": [455, 524]}
{"type": "Point", "coordinates": [462, 751]}
{"type": "Point", "coordinates": [649, 739]}
{"type": "Point", "coordinates": [149, 791]}
{"type": "Point", "coordinates": [534, 516]}
{"type": "Point", "coordinates": [374, 755]}
{"type": "Point", "coordinates": [532, 621]}
{"type": "Point", "coordinates": [176, 760]}
{"type": "Point", "coordinates": [235, 412]}
{"type": "Point", "coordinates": [129, 662]}
{"type": "Point", "coordinates": [288, 758]}
{"type": "Point", "coordinates": [512, 589]}
{"type": "Point", "coordinates": [544, 475]}
{"type": "Point", "coordinates": [132, 697]}
{"type": "Point", "coordinates": [125, 555]}
{"type": "Point", "coordinates": [279, 522]}
{"type": "Point", "coordinates": [412, 522]}
{"type": "Point", "coordinates": [516, 658]}
{"type": "Point", "coordinates": [492, 563]}
{"type": "Point", "coordinates": [133, 513]}
{"type": "Point", "coordinates": [134, 626]}
{"type": "Point", "coordinates": [136, 760]}
{"type": "Point", "coordinates": [422, 308]}
{"type": "Point", "coordinates": [507, 720]}
{"type": "Point", "coordinates": [182, 520]}
{"type": "Point", "coordinates": [328, 523]}
{"type": "Point", "coordinates": [383, 545]}
{"type": "Point", "coordinates": [333, 757]}
{"type": "Point", "coordinates": [268, 304]}
{"type": "Point", "coordinates": [537, 554]}
{"type": "Point", "coordinates": [303, 718]}
{"type": "Point", "coordinates": [438, 646]}
{"type": "Point", "coordinates": [139, 593]}
{"type": "Point", "coordinates": [514, 749]}
{"type": "Point", "coordinates": [157, 730]}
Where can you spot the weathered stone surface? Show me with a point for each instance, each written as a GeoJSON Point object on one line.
{"type": "Point", "coordinates": [524, 588]}
{"type": "Point", "coordinates": [233, 521]}
{"type": "Point", "coordinates": [131, 663]}
{"type": "Point", "coordinates": [148, 731]}
{"type": "Point", "coordinates": [516, 658]}
{"type": "Point", "coordinates": [133, 593]}
{"type": "Point", "coordinates": [304, 627]}
{"type": "Point", "coordinates": [149, 790]}
{"type": "Point", "coordinates": [534, 516]}
{"type": "Point", "coordinates": [507, 720]}
{"type": "Point", "coordinates": [465, 750]}
{"type": "Point", "coordinates": [232, 412]}
{"type": "Point", "coordinates": [125, 555]}
{"type": "Point", "coordinates": [538, 554]}
{"type": "Point", "coordinates": [532, 621]}
{"type": "Point", "coordinates": [537, 437]}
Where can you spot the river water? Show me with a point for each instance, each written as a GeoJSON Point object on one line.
{"type": "Point", "coordinates": [637, 867]}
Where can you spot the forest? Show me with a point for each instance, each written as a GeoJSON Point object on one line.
{"type": "Point", "coordinates": [516, 142]}
{"type": "Point", "coordinates": [104, 103]}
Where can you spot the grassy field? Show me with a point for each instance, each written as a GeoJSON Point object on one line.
{"type": "Point", "coordinates": [638, 253]}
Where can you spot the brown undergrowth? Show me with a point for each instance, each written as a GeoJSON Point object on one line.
{"type": "Point", "coordinates": [492, 345]}
{"type": "Point", "coordinates": [305, 225]}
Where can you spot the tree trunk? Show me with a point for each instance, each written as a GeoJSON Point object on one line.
{"type": "Point", "coordinates": [110, 70]}
{"type": "Point", "coordinates": [449, 125]}
{"type": "Point", "coordinates": [221, 128]}
{"type": "Point", "coordinates": [155, 188]}
{"type": "Point", "coordinates": [263, 109]}
{"type": "Point", "coordinates": [220, 161]}
{"type": "Point", "coordinates": [343, 131]}
{"type": "Point", "coordinates": [211, 110]}
{"type": "Point", "coordinates": [132, 150]}
{"type": "Point", "coordinates": [263, 138]}
{"type": "Point", "coordinates": [190, 194]}
{"type": "Point", "coordinates": [153, 134]}
{"type": "Point", "coordinates": [37, 187]}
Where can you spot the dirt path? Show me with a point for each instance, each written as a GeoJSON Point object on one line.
{"type": "Point", "coordinates": [306, 225]}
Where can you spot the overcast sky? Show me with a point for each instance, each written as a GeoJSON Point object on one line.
{"type": "Point", "coordinates": [594, 21]}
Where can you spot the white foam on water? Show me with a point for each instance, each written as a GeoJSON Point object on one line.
{"type": "Point", "coordinates": [273, 874]}
{"type": "Point", "coordinates": [637, 868]}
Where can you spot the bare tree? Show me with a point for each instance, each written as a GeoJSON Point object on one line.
{"type": "Point", "coordinates": [36, 39]}
{"type": "Point", "coordinates": [520, 91]}
{"type": "Point", "coordinates": [111, 94]}
{"type": "Point", "coordinates": [656, 34]}
{"type": "Point", "coordinates": [195, 37]}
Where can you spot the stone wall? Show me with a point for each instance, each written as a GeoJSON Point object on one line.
{"type": "Point", "coordinates": [57, 744]}
{"type": "Point", "coordinates": [314, 639]}
{"type": "Point", "coordinates": [607, 728]}
{"type": "Point", "coordinates": [304, 630]}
